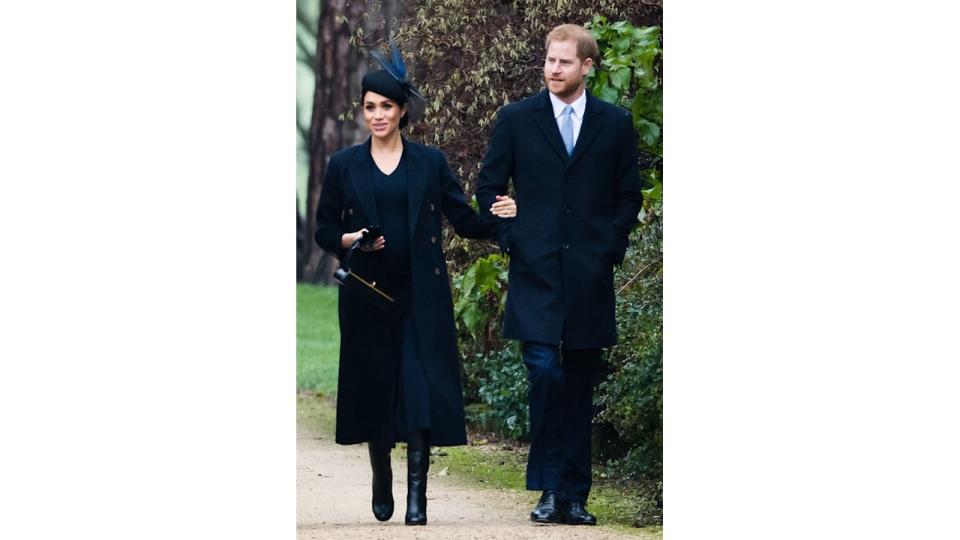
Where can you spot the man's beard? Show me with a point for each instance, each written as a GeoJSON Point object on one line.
{"type": "Point", "coordinates": [566, 90]}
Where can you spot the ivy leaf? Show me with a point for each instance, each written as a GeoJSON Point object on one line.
{"type": "Point", "coordinates": [599, 81]}
{"type": "Point", "coordinates": [638, 107]}
{"type": "Point", "coordinates": [609, 94]}
{"type": "Point", "coordinates": [655, 193]}
{"type": "Point", "coordinates": [647, 35]}
{"type": "Point", "coordinates": [620, 79]}
{"type": "Point", "coordinates": [649, 132]}
{"type": "Point", "coordinates": [471, 316]}
{"type": "Point", "coordinates": [469, 281]}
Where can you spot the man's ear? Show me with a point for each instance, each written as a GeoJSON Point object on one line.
{"type": "Point", "coordinates": [587, 64]}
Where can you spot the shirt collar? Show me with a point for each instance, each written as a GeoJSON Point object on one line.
{"type": "Point", "coordinates": [578, 106]}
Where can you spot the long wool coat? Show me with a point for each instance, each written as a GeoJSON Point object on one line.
{"type": "Point", "coordinates": [575, 214]}
{"type": "Point", "coordinates": [367, 386]}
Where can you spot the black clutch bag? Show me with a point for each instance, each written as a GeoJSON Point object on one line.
{"type": "Point", "coordinates": [366, 289]}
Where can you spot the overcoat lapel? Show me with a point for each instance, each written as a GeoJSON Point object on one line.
{"type": "Point", "coordinates": [363, 184]}
{"type": "Point", "coordinates": [416, 168]}
{"type": "Point", "coordinates": [543, 117]}
{"type": "Point", "coordinates": [592, 124]}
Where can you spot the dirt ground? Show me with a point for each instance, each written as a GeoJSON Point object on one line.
{"type": "Point", "coordinates": [333, 502]}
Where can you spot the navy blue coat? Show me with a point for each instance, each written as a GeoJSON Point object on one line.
{"type": "Point", "coordinates": [573, 219]}
{"type": "Point", "coordinates": [367, 380]}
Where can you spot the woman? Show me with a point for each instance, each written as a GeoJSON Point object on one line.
{"type": "Point", "coordinates": [399, 370]}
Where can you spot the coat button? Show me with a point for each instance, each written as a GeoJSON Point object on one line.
{"type": "Point", "coordinates": [436, 271]}
{"type": "Point", "coordinates": [431, 207]}
{"type": "Point", "coordinates": [350, 211]}
{"type": "Point", "coordinates": [566, 209]}
{"type": "Point", "coordinates": [433, 239]}
{"type": "Point", "coordinates": [566, 245]}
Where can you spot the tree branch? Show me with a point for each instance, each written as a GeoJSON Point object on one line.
{"type": "Point", "coordinates": [635, 276]}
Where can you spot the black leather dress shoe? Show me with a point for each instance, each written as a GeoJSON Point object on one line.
{"type": "Point", "coordinates": [574, 513]}
{"type": "Point", "coordinates": [548, 509]}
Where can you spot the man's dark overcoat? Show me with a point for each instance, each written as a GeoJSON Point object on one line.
{"type": "Point", "coordinates": [367, 387]}
{"type": "Point", "coordinates": [574, 215]}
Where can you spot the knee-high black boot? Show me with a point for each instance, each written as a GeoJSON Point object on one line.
{"type": "Point", "coordinates": [418, 463]}
{"type": "Point", "coordinates": [382, 480]}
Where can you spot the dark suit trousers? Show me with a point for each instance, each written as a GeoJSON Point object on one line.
{"type": "Point", "coordinates": [561, 410]}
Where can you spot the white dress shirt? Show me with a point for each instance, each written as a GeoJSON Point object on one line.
{"type": "Point", "coordinates": [577, 117]}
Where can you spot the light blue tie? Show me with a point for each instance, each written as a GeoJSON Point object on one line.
{"type": "Point", "coordinates": [566, 129]}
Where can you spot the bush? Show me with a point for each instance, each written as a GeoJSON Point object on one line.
{"type": "Point", "coordinates": [502, 391]}
{"type": "Point", "coordinates": [479, 294]}
{"type": "Point", "coordinates": [630, 396]}
{"type": "Point", "coordinates": [494, 377]}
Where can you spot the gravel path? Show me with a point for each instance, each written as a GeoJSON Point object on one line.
{"type": "Point", "coordinates": [333, 502]}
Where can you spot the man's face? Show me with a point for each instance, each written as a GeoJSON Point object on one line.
{"type": "Point", "coordinates": [563, 72]}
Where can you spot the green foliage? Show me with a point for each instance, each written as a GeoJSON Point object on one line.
{"type": "Point", "coordinates": [631, 395]}
{"type": "Point", "coordinates": [628, 76]}
{"type": "Point", "coordinates": [480, 296]}
{"type": "Point", "coordinates": [494, 376]}
{"type": "Point", "coordinates": [503, 391]}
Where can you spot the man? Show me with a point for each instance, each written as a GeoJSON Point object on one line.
{"type": "Point", "coordinates": [573, 162]}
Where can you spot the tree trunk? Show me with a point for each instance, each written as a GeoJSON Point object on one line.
{"type": "Point", "coordinates": [337, 86]}
{"type": "Point", "coordinates": [301, 242]}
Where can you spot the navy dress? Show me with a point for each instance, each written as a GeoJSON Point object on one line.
{"type": "Point", "coordinates": [412, 410]}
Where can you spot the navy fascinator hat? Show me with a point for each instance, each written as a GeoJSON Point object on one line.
{"type": "Point", "coordinates": [392, 82]}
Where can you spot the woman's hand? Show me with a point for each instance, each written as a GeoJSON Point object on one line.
{"type": "Point", "coordinates": [348, 239]}
{"type": "Point", "coordinates": [505, 207]}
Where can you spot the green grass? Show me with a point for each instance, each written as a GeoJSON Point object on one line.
{"type": "Point", "coordinates": [318, 339]}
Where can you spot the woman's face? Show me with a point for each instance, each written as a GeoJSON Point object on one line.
{"type": "Point", "coordinates": [382, 115]}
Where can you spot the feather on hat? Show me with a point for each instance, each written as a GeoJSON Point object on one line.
{"type": "Point", "coordinates": [398, 86]}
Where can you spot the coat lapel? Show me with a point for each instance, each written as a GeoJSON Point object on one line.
{"type": "Point", "coordinates": [543, 117]}
{"type": "Point", "coordinates": [416, 169]}
{"type": "Point", "coordinates": [592, 124]}
{"type": "Point", "coordinates": [363, 183]}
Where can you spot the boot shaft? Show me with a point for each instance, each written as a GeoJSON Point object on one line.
{"type": "Point", "coordinates": [418, 464]}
